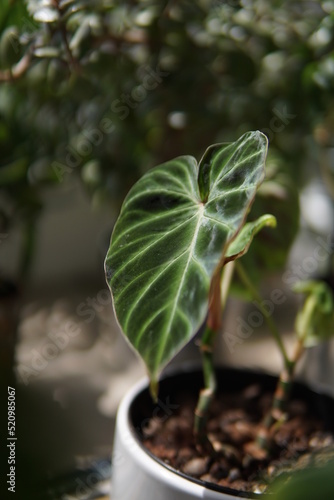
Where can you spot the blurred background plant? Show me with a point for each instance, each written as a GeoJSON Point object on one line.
{"type": "Point", "coordinates": [95, 92]}
{"type": "Point", "coordinates": [103, 90]}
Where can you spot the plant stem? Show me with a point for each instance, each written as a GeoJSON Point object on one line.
{"type": "Point", "coordinates": [218, 297]}
{"type": "Point", "coordinates": [277, 411]}
{"type": "Point", "coordinates": [72, 61]}
{"type": "Point", "coordinates": [271, 325]}
{"type": "Point", "coordinates": [226, 282]}
{"type": "Point", "coordinates": [207, 393]}
{"type": "Point", "coordinates": [303, 324]}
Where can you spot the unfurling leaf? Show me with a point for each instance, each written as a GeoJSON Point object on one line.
{"type": "Point", "coordinates": [240, 245]}
{"type": "Point", "coordinates": [170, 237]}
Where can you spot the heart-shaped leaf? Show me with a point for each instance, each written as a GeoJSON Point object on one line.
{"type": "Point", "coordinates": [171, 235]}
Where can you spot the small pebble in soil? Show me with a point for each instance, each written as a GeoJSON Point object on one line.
{"type": "Point", "coordinates": [239, 431]}
{"type": "Point", "coordinates": [253, 449]}
{"type": "Point", "coordinates": [228, 451]}
{"type": "Point", "coordinates": [163, 452]}
{"type": "Point", "coordinates": [238, 484]}
{"type": "Point", "coordinates": [260, 488]}
{"type": "Point", "coordinates": [271, 470]}
{"type": "Point", "coordinates": [208, 478]}
{"type": "Point", "coordinates": [321, 440]}
{"type": "Point", "coordinates": [196, 467]}
{"type": "Point", "coordinates": [234, 474]}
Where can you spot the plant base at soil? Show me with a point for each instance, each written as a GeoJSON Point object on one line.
{"type": "Point", "coordinates": [234, 422]}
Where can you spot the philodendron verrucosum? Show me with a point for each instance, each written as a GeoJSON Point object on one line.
{"type": "Point", "coordinates": [178, 226]}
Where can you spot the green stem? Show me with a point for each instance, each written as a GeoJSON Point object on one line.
{"type": "Point", "coordinates": [227, 275]}
{"type": "Point", "coordinates": [277, 411]}
{"type": "Point", "coordinates": [219, 293]}
{"type": "Point", "coordinates": [207, 393]}
{"type": "Point", "coordinates": [271, 325]}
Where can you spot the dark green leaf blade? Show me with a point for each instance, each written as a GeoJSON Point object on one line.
{"type": "Point", "coordinates": [167, 244]}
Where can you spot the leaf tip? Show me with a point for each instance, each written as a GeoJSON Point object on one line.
{"type": "Point", "coordinates": [263, 136]}
{"type": "Point", "coordinates": [271, 221]}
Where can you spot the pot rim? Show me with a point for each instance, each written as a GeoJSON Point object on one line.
{"type": "Point", "coordinates": [156, 466]}
{"type": "Point", "coordinates": [146, 460]}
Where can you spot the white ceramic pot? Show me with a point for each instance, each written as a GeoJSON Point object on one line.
{"type": "Point", "coordinates": [137, 476]}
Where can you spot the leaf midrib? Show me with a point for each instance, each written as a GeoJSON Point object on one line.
{"type": "Point", "coordinates": [191, 251]}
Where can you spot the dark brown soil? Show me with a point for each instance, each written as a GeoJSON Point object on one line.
{"type": "Point", "coordinates": [234, 423]}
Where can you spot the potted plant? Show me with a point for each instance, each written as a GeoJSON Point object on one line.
{"type": "Point", "coordinates": [179, 235]}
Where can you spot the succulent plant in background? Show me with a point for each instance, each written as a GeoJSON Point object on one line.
{"type": "Point", "coordinates": [74, 106]}
{"type": "Point", "coordinates": [71, 69]}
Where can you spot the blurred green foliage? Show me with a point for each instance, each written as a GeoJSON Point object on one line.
{"type": "Point", "coordinates": [106, 89]}
{"type": "Point", "coordinates": [313, 482]}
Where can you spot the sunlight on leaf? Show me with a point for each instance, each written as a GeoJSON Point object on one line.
{"type": "Point", "coordinates": [171, 234]}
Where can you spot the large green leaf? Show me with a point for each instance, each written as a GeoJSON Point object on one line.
{"type": "Point", "coordinates": [171, 235]}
